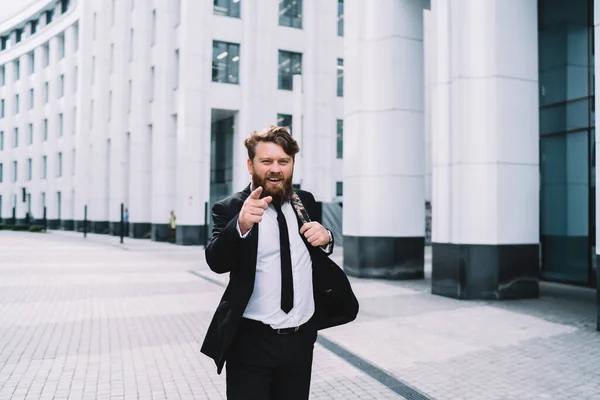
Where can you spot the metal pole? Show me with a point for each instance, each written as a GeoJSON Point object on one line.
{"type": "Point", "coordinates": [85, 221]}
{"type": "Point", "coordinates": [14, 216]}
{"type": "Point", "coordinates": [122, 224]}
{"type": "Point", "coordinates": [45, 220]}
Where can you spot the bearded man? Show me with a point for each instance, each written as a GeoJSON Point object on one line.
{"type": "Point", "coordinates": [282, 288]}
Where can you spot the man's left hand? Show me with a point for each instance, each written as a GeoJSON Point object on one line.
{"type": "Point", "coordinates": [315, 233]}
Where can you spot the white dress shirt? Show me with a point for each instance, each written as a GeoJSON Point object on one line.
{"type": "Point", "coordinates": [265, 302]}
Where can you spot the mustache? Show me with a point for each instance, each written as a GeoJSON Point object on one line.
{"type": "Point", "coordinates": [274, 176]}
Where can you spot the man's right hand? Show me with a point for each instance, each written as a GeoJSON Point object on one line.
{"type": "Point", "coordinates": [253, 209]}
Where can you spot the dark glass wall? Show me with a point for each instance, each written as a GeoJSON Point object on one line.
{"type": "Point", "coordinates": [221, 161]}
{"type": "Point", "coordinates": [566, 139]}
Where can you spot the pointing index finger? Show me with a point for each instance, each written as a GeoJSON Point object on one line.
{"type": "Point", "coordinates": [256, 193]}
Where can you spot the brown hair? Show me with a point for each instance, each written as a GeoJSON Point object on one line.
{"type": "Point", "coordinates": [279, 135]}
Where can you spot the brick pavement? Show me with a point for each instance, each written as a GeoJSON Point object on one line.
{"type": "Point", "coordinates": [95, 319]}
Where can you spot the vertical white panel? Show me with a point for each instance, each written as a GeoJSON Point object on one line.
{"type": "Point", "coordinates": [384, 127]}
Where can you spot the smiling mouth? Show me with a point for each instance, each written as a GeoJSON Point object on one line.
{"type": "Point", "coordinates": [274, 180]}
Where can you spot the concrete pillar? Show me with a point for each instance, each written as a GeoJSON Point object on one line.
{"type": "Point", "coordinates": [140, 125]}
{"type": "Point", "coordinates": [119, 113]}
{"type": "Point", "coordinates": [261, 66]}
{"type": "Point", "coordinates": [597, 136]}
{"type": "Point", "coordinates": [193, 123]}
{"type": "Point", "coordinates": [98, 206]}
{"type": "Point", "coordinates": [319, 82]}
{"type": "Point", "coordinates": [485, 155]}
{"type": "Point", "coordinates": [164, 136]}
{"type": "Point", "coordinates": [383, 214]}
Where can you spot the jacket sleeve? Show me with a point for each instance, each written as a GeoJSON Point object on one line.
{"type": "Point", "coordinates": [225, 250]}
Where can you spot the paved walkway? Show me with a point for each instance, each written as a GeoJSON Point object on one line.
{"type": "Point", "coordinates": [90, 318]}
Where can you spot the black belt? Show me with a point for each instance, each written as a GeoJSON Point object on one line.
{"type": "Point", "coordinates": [280, 331]}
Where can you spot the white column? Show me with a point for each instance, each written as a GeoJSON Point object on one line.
{"type": "Point", "coordinates": [492, 170]}
{"type": "Point", "coordinates": [258, 74]}
{"type": "Point", "coordinates": [193, 131]}
{"type": "Point", "coordinates": [164, 140]}
{"type": "Point", "coordinates": [319, 78]}
{"type": "Point", "coordinates": [140, 194]}
{"type": "Point", "coordinates": [119, 85]}
{"type": "Point", "coordinates": [83, 137]}
{"type": "Point", "coordinates": [98, 206]}
{"type": "Point", "coordinates": [384, 220]}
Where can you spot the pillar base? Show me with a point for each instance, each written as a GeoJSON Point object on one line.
{"type": "Point", "coordinates": [98, 227]}
{"type": "Point", "coordinates": [384, 257]}
{"type": "Point", "coordinates": [140, 230]}
{"type": "Point", "coordinates": [68, 224]}
{"type": "Point", "coordinates": [162, 233]}
{"type": "Point", "coordinates": [486, 272]}
{"type": "Point", "coordinates": [190, 235]}
{"type": "Point", "coordinates": [598, 292]}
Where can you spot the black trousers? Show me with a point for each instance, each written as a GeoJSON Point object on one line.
{"type": "Point", "coordinates": [264, 365]}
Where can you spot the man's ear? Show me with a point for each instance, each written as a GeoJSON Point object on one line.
{"type": "Point", "coordinates": [249, 164]}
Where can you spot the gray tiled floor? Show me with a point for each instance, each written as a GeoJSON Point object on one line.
{"type": "Point", "coordinates": [95, 319]}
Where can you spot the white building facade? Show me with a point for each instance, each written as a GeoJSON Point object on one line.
{"type": "Point", "coordinates": [147, 104]}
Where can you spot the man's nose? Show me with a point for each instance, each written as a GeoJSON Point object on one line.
{"type": "Point", "coordinates": [276, 168]}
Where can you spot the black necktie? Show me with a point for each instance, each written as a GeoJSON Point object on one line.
{"type": "Point", "coordinates": [287, 284]}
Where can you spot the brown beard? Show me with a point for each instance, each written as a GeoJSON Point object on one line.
{"type": "Point", "coordinates": [280, 194]}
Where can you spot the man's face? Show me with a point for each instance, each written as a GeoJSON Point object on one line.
{"type": "Point", "coordinates": [272, 169]}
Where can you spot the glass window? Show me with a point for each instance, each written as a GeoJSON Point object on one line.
{"type": "Point", "coordinates": [17, 65]}
{"type": "Point", "coordinates": [16, 137]}
{"type": "Point", "coordinates": [340, 139]}
{"type": "Point", "coordinates": [15, 170]}
{"type": "Point", "coordinates": [18, 35]}
{"type": "Point", "coordinates": [44, 166]}
{"type": "Point", "coordinates": [31, 98]}
{"type": "Point", "coordinates": [45, 132]}
{"type": "Point", "coordinates": [226, 61]}
{"type": "Point", "coordinates": [30, 136]}
{"type": "Point", "coordinates": [227, 8]}
{"type": "Point", "coordinates": [59, 165]}
{"type": "Point", "coordinates": [61, 86]}
{"type": "Point", "coordinates": [61, 47]}
{"type": "Point", "coordinates": [340, 77]}
{"type": "Point", "coordinates": [33, 26]}
{"type": "Point", "coordinates": [49, 16]}
{"type": "Point", "coordinates": [64, 6]}
{"type": "Point", "coordinates": [290, 13]}
{"type": "Point", "coordinates": [29, 165]}
{"type": "Point", "coordinates": [340, 17]}
{"type": "Point", "coordinates": [46, 49]}
{"type": "Point", "coordinates": [31, 63]}
{"type": "Point", "coordinates": [339, 188]}
{"type": "Point", "coordinates": [289, 64]}
{"type": "Point", "coordinates": [16, 103]}
{"type": "Point", "coordinates": [1, 172]}
{"type": "Point", "coordinates": [4, 43]}
{"type": "Point", "coordinates": [1, 140]}
{"type": "Point", "coordinates": [2, 75]}
{"type": "Point", "coordinates": [60, 124]}
{"type": "Point", "coordinates": [285, 120]}
{"type": "Point", "coordinates": [2, 108]}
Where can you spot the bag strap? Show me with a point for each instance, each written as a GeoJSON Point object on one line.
{"type": "Point", "coordinates": [300, 210]}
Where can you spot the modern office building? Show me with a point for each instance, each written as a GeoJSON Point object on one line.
{"type": "Point", "coordinates": [483, 108]}
{"type": "Point", "coordinates": [147, 103]}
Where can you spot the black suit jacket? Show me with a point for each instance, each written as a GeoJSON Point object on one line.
{"type": "Point", "coordinates": [335, 303]}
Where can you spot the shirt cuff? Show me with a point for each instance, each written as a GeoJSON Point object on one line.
{"type": "Point", "coordinates": [327, 248]}
{"type": "Point", "coordinates": [237, 226]}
